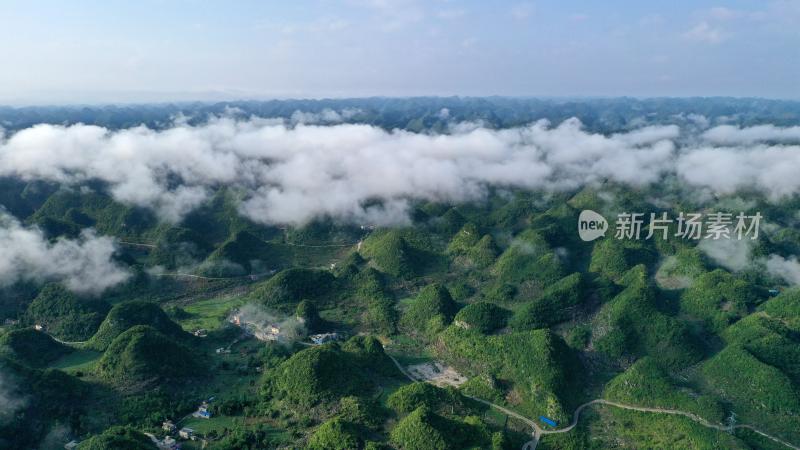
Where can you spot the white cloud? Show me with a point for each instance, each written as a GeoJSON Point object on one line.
{"type": "Point", "coordinates": [522, 11]}
{"type": "Point", "coordinates": [84, 265]}
{"type": "Point", "coordinates": [770, 169]}
{"type": "Point", "coordinates": [733, 135]}
{"type": "Point", "coordinates": [10, 400]}
{"type": "Point", "coordinates": [292, 172]}
{"type": "Point", "coordinates": [786, 268]}
{"type": "Point", "coordinates": [722, 13]}
{"type": "Point", "coordinates": [706, 33]}
{"type": "Point", "coordinates": [733, 254]}
{"type": "Point", "coordinates": [326, 116]}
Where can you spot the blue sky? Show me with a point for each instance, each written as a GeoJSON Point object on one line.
{"type": "Point", "coordinates": [150, 50]}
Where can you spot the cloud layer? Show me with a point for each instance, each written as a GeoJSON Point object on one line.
{"type": "Point", "coordinates": [84, 265]}
{"type": "Point", "coordinates": [10, 401]}
{"type": "Point", "coordinates": [291, 172]}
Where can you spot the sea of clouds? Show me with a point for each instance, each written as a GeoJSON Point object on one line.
{"type": "Point", "coordinates": [292, 171]}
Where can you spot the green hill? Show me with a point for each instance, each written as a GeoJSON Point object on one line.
{"type": "Point", "coordinates": [528, 259]}
{"type": "Point", "coordinates": [35, 401]}
{"type": "Point", "coordinates": [480, 251]}
{"type": "Point", "coordinates": [178, 247]}
{"type": "Point", "coordinates": [369, 288]}
{"type": "Point", "coordinates": [336, 434]}
{"type": "Point", "coordinates": [484, 253]}
{"type": "Point", "coordinates": [467, 237]}
{"type": "Point", "coordinates": [64, 314]}
{"type": "Point", "coordinates": [403, 254]}
{"type": "Point", "coordinates": [69, 210]}
{"type": "Point", "coordinates": [431, 310]}
{"type": "Point", "coordinates": [785, 307]}
{"type": "Point", "coordinates": [631, 325]}
{"type": "Point", "coordinates": [32, 347]}
{"type": "Point", "coordinates": [328, 372]}
{"type": "Point", "coordinates": [219, 218]}
{"type": "Point", "coordinates": [245, 253]}
{"type": "Point", "coordinates": [768, 339]}
{"type": "Point", "coordinates": [614, 257]}
{"type": "Point", "coordinates": [482, 316]}
{"type": "Point", "coordinates": [412, 396]}
{"type": "Point", "coordinates": [290, 286]}
{"type": "Point", "coordinates": [423, 429]}
{"type": "Point", "coordinates": [315, 375]}
{"type": "Point", "coordinates": [554, 305]}
{"type": "Point", "coordinates": [719, 298]}
{"type": "Point", "coordinates": [646, 383]}
{"type": "Point", "coordinates": [767, 398]}
{"type": "Point", "coordinates": [538, 365]}
{"type": "Point", "coordinates": [143, 354]}
{"type": "Point", "coordinates": [123, 438]}
{"type": "Point", "coordinates": [126, 315]}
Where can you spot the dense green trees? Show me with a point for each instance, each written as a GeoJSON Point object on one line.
{"type": "Point", "coordinates": [614, 257]}
{"type": "Point", "coordinates": [424, 429]}
{"type": "Point", "coordinates": [482, 316]}
{"type": "Point", "coordinates": [631, 325]}
{"type": "Point", "coordinates": [178, 247]}
{"type": "Point", "coordinates": [64, 314]}
{"type": "Point", "coordinates": [143, 354]}
{"type": "Point", "coordinates": [34, 401]}
{"type": "Point", "coordinates": [646, 383]}
{"type": "Point", "coordinates": [719, 298]}
{"type": "Point", "coordinates": [335, 434]}
{"type": "Point", "coordinates": [369, 287]}
{"type": "Point", "coordinates": [554, 305]}
{"type": "Point", "coordinates": [770, 340]}
{"type": "Point", "coordinates": [245, 253]}
{"type": "Point", "coordinates": [480, 251]}
{"type": "Point", "coordinates": [767, 390]}
{"type": "Point", "coordinates": [307, 312]}
{"type": "Point", "coordinates": [126, 315]}
{"type": "Point", "coordinates": [542, 369]}
{"type": "Point", "coordinates": [123, 438]}
{"type": "Point", "coordinates": [328, 372]}
{"type": "Point", "coordinates": [32, 347]}
{"type": "Point", "coordinates": [412, 396]}
{"type": "Point", "coordinates": [399, 253]}
{"type": "Point", "coordinates": [529, 259]}
{"type": "Point", "coordinates": [291, 286]}
{"type": "Point", "coordinates": [430, 311]}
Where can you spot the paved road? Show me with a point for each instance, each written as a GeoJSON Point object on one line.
{"type": "Point", "coordinates": [538, 432]}
{"type": "Point", "coordinates": [64, 342]}
{"type": "Point", "coordinates": [693, 417]}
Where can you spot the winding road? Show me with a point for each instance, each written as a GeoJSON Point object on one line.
{"type": "Point", "coordinates": [538, 432]}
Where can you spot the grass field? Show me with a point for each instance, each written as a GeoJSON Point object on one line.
{"type": "Point", "coordinates": [77, 360]}
{"type": "Point", "coordinates": [210, 313]}
{"type": "Point", "coordinates": [218, 424]}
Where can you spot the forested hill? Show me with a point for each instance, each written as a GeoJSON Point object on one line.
{"type": "Point", "coordinates": [259, 283]}
{"type": "Point", "coordinates": [424, 113]}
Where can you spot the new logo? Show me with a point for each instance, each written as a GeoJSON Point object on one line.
{"type": "Point", "coordinates": [591, 225]}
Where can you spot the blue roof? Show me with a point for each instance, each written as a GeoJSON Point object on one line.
{"type": "Point", "coordinates": [548, 421]}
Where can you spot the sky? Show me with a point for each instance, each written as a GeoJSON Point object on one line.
{"type": "Point", "coordinates": [110, 51]}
